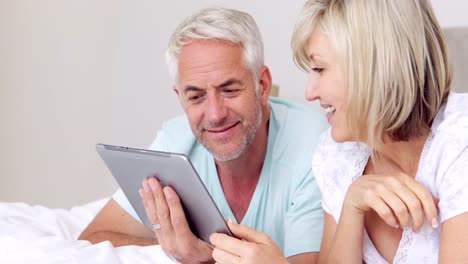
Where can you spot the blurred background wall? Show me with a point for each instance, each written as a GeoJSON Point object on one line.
{"type": "Point", "coordinates": [77, 72]}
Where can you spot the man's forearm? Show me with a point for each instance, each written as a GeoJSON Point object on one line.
{"type": "Point", "coordinates": [118, 239]}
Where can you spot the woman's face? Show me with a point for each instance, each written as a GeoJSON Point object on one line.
{"type": "Point", "coordinates": [326, 83]}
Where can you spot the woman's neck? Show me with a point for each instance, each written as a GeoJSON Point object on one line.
{"type": "Point", "coordinates": [401, 156]}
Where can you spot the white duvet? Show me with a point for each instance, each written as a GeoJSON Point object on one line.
{"type": "Point", "coordinates": [36, 234]}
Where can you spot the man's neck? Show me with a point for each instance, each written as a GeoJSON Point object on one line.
{"type": "Point", "coordinates": [248, 166]}
{"type": "Point", "coordinates": [239, 177]}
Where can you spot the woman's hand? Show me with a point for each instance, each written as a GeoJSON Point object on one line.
{"type": "Point", "coordinates": [398, 199]}
{"type": "Point", "coordinates": [250, 247]}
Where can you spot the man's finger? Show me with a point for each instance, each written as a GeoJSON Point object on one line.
{"type": "Point", "coordinates": [178, 218]}
{"type": "Point", "coordinates": [149, 203]}
{"type": "Point", "coordinates": [165, 233]}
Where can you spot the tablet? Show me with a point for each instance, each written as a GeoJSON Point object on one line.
{"type": "Point", "coordinates": [130, 166]}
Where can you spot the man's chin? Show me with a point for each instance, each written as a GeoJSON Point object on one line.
{"type": "Point", "coordinates": [226, 157]}
{"type": "Point", "coordinates": [225, 152]}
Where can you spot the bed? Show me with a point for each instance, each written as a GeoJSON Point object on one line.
{"type": "Point", "coordinates": [37, 234]}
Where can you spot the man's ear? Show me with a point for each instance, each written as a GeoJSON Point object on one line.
{"type": "Point", "coordinates": [177, 92]}
{"type": "Point", "coordinates": [174, 88]}
{"type": "Point", "coordinates": [264, 84]}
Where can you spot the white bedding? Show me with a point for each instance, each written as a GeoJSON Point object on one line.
{"type": "Point", "coordinates": [36, 234]}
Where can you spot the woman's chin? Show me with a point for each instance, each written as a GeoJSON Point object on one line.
{"type": "Point", "coordinates": [339, 136]}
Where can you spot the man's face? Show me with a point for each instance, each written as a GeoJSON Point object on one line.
{"type": "Point", "coordinates": [217, 92]}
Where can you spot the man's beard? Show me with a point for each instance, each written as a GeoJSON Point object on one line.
{"type": "Point", "coordinates": [249, 133]}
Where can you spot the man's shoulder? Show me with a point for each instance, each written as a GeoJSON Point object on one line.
{"type": "Point", "coordinates": [296, 118]}
{"type": "Point", "coordinates": [295, 130]}
{"type": "Point", "coordinates": [175, 135]}
{"type": "Point", "coordinates": [296, 126]}
{"type": "Point", "coordinates": [176, 123]}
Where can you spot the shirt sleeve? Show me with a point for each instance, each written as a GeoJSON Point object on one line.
{"type": "Point", "coordinates": [319, 168]}
{"type": "Point", "coordinates": [453, 192]}
{"type": "Point", "coordinates": [122, 200]}
{"type": "Point", "coordinates": [304, 223]}
{"type": "Point", "coordinates": [160, 143]}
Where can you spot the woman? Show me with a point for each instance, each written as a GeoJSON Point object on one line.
{"type": "Point", "coordinates": [392, 169]}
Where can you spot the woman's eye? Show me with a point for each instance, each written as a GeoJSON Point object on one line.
{"type": "Point", "coordinates": [317, 69]}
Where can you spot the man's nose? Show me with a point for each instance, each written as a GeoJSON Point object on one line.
{"type": "Point", "coordinates": [216, 110]}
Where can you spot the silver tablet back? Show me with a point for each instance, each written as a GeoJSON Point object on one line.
{"type": "Point", "coordinates": [130, 166]}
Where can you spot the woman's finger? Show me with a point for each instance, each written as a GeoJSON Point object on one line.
{"type": "Point", "coordinates": [381, 208]}
{"type": "Point", "coordinates": [427, 200]}
{"type": "Point", "coordinates": [224, 257]}
{"type": "Point", "coordinates": [413, 205]}
{"type": "Point", "coordinates": [248, 234]}
{"type": "Point", "coordinates": [396, 204]}
{"type": "Point", "coordinates": [229, 244]}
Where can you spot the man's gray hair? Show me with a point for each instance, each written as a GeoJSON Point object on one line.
{"type": "Point", "coordinates": [223, 24]}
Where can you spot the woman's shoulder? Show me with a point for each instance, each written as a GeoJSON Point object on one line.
{"type": "Point", "coordinates": [452, 118]}
{"type": "Point", "coordinates": [446, 144]}
{"type": "Point", "coordinates": [337, 164]}
{"type": "Point", "coordinates": [446, 158]}
{"type": "Point", "coordinates": [450, 128]}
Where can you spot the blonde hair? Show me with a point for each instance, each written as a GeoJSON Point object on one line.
{"type": "Point", "coordinates": [394, 59]}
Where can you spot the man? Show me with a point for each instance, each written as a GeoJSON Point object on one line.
{"type": "Point", "coordinates": [252, 153]}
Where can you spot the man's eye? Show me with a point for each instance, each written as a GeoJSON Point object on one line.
{"type": "Point", "coordinates": [317, 69]}
{"type": "Point", "coordinates": [230, 91]}
{"type": "Point", "coordinates": [195, 98]}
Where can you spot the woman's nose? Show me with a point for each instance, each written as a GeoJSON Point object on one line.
{"type": "Point", "coordinates": [311, 92]}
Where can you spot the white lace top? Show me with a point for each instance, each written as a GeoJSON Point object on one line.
{"type": "Point", "coordinates": [442, 169]}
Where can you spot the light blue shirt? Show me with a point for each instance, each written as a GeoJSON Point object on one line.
{"type": "Point", "coordinates": [286, 202]}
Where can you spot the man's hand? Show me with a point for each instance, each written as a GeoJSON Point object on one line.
{"type": "Point", "coordinates": [163, 207]}
{"type": "Point", "coordinates": [251, 247]}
